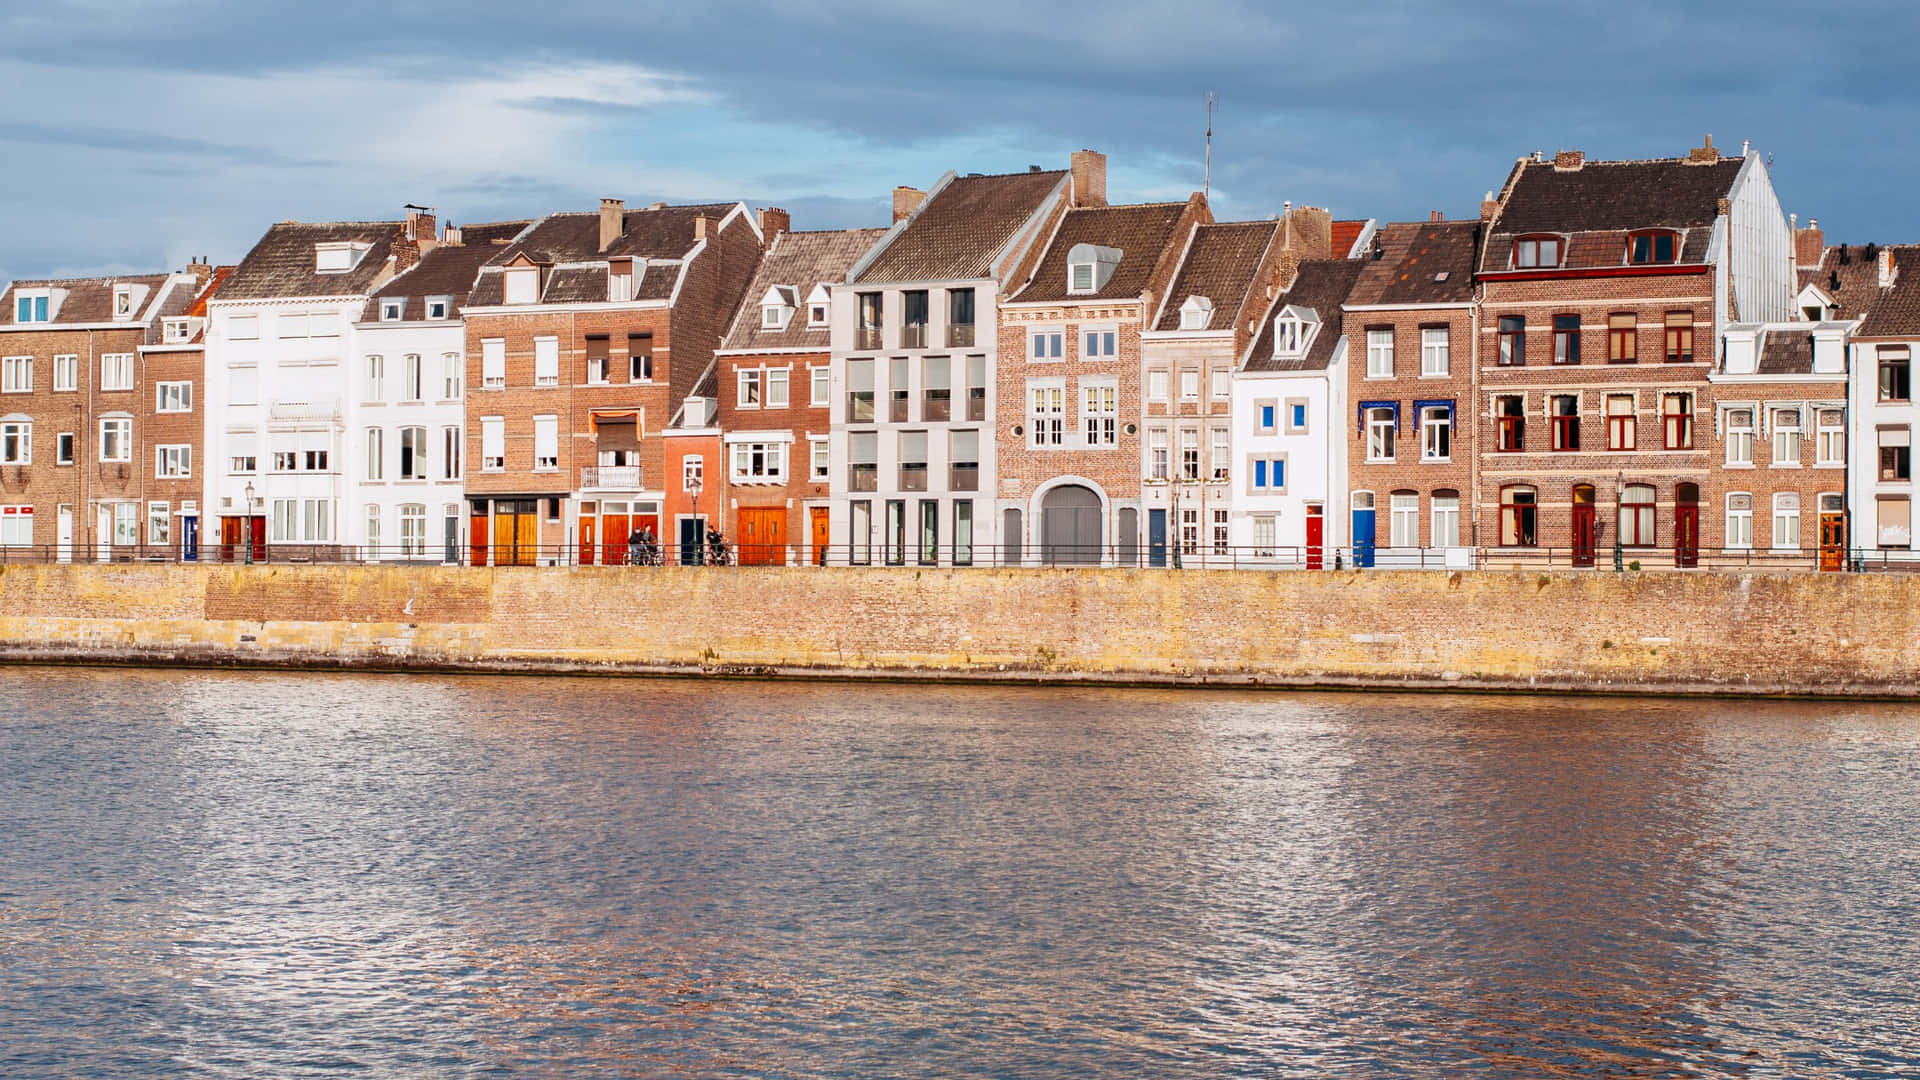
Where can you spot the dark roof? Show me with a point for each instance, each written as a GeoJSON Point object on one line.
{"type": "Point", "coordinates": [448, 270]}
{"type": "Point", "coordinates": [283, 263]}
{"type": "Point", "coordinates": [799, 261]}
{"type": "Point", "coordinates": [654, 232]}
{"type": "Point", "coordinates": [1414, 256]}
{"type": "Point", "coordinates": [959, 229]}
{"type": "Point", "coordinates": [1344, 234]}
{"type": "Point", "coordinates": [1787, 352]}
{"type": "Point", "coordinates": [1141, 232]}
{"type": "Point", "coordinates": [1320, 284]}
{"type": "Point", "coordinates": [1220, 265]}
{"type": "Point", "coordinates": [1605, 200]}
{"type": "Point", "coordinates": [1890, 312]}
{"type": "Point", "coordinates": [90, 300]}
{"type": "Point", "coordinates": [493, 232]}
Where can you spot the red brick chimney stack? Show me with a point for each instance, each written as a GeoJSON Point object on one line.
{"type": "Point", "coordinates": [1089, 178]}
{"type": "Point", "coordinates": [773, 222]}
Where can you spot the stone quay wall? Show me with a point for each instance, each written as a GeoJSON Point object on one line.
{"type": "Point", "coordinates": [1759, 633]}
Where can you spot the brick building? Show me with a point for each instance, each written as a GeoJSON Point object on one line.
{"type": "Point", "coordinates": [773, 388]}
{"type": "Point", "coordinates": [1410, 321]}
{"type": "Point", "coordinates": [82, 473]}
{"type": "Point", "coordinates": [1605, 286]}
{"type": "Point", "coordinates": [170, 416]}
{"type": "Point", "coordinates": [1069, 352]}
{"type": "Point", "coordinates": [584, 337]}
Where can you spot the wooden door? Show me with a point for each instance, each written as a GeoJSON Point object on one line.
{"type": "Point", "coordinates": [231, 537]}
{"type": "Point", "coordinates": [616, 551]}
{"type": "Point", "coordinates": [1316, 539]}
{"type": "Point", "coordinates": [1833, 541]}
{"type": "Point", "coordinates": [477, 534]}
{"type": "Point", "coordinates": [586, 540]}
{"type": "Point", "coordinates": [526, 536]}
{"type": "Point", "coordinates": [763, 536]}
{"type": "Point", "coordinates": [257, 526]}
{"type": "Point", "coordinates": [1686, 534]}
{"type": "Point", "coordinates": [1584, 522]}
{"type": "Point", "coordinates": [820, 521]}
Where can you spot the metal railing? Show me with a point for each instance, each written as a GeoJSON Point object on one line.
{"type": "Point", "coordinates": [611, 477]}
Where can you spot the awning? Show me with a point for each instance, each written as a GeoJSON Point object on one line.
{"type": "Point", "coordinates": [612, 416]}
{"type": "Point", "coordinates": [1361, 416]}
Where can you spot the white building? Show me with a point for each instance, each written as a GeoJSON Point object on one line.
{"type": "Point", "coordinates": [1883, 412]}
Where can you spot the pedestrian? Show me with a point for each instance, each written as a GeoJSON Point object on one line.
{"type": "Point", "coordinates": [649, 546]}
{"type": "Point", "coordinates": [636, 544]}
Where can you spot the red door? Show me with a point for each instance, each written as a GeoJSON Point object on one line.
{"type": "Point", "coordinates": [478, 529]}
{"type": "Point", "coordinates": [822, 532]}
{"type": "Point", "coordinates": [586, 540]}
{"type": "Point", "coordinates": [647, 523]}
{"type": "Point", "coordinates": [1583, 525]}
{"type": "Point", "coordinates": [616, 530]}
{"type": "Point", "coordinates": [1686, 534]}
{"type": "Point", "coordinates": [259, 534]}
{"type": "Point", "coordinates": [763, 536]}
{"type": "Point", "coordinates": [1316, 538]}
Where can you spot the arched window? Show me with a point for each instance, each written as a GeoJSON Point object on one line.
{"type": "Point", "coordinates": [1519, 510]}
{"type": "Point", "coordinates": [1636, 516]}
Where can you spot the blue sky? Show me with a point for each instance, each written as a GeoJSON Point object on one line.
{"type": "Point", "coordinates": [143, 132]}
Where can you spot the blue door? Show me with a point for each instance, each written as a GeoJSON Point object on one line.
{"type": "Point", "coordinates": [189, 539]}
{"type": "Point", "coordinates": [1363, 537]}
{"type": "Point", "coordinates": [693, 541]}
{"type": "Point", "coordinates": [1156, 538]}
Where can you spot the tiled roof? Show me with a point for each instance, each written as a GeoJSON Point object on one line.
{"type": "Point", "coordinates": [448, 270]}
{"type": "Point", "coordinates": [800, 261]}
{"type": "Point", "coordinates": [957, 232]}
{"type": "Point", "coordinates": [1141, 232]}
{"type": "Point", "coordinates": [283, 263]}
{"type": "Point", "coordinates": [87, 300]}
{"type": "Point", "coordinates": [1344, 234]}
{"type": "Point", "coordinates": [1320, 284]}
{"type": "Point", "coordinates": [1786, 352]}
{"type": "Point", "coordinates": [662, 232]}
{"type": "Point", "coordinates": [1220, 265]}
{"type": "Point", "coordinates": [1424, 262]}
{"type": "Point", "coordinates": [1609, 199]}
{"type": "Point", "coordinates": [1890, 312]}
{"type": "Point", "coordinates": [493, 232]}
{"type": "Point", "coordinates": [198, 309]}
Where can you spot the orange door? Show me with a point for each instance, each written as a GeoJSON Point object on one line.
{"type": "Point", "coordinates": [763, 536]}
{"type": "Point", "coordinates": [230, 537]}
{"type": "Point", "coordinates": [527, 537]}
{"type": "Point", "coordinates": [1833, 541]}
{"type": "Point", "coordinates": [477, 534]}
{"type": "Point", "coordinates": [618, 529]}
{"type": "Point", "coordinates": [820, 520]}
{"type": "Point", "coordinates": [586, 541]}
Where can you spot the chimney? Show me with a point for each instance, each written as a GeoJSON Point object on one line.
{"type": "Point", "coordinates": [773, 222]}
{"type": "Point", "coordinates": [699, 228]}
{"type": "Point", "coordinates": [613, 221]}
{"type": "Point", "coordinates": [420, 224]}
{"type": "Point", "coordinates": [202, 270]}
{"type": "Point", "coordinates": [1089, 178]}
{"type": "Point", "coordinates": [1309, 232]}
{"type": "Point", "coordinates": [1705, 154]}
{"type": "Point", "coordinates": [450, 235]}
{"type": "Point", "coordinates": [1808, 245]}
{"type": "Point", "coordinates": [1569, 160]}
{"type": "Point", "coordinates": [905, 201]}
{"type": "Point", "coordinates": [1489, 207]}
{"type": "Point", "coordinates": [1434, 215]}
{"type": "Point", "coordinates": [1887, 269]}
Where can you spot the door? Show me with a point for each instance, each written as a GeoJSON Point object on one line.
{"type": "Point", "coordinates": [65, 534]}
{"type": "Point", "coordinates": [819, 521]}
{"type": "Point", "coordinates": [103, 535]}
{"type": "Point", "coordinates": [232, 535]}
{"type": "Point", "coordinates": [1316, 537]}
{"type": "Point", "coordinates": [257, 530]}
{"type": "Point", "coordinates": [1584, 522]}
{"type": "Point", "coordinates": [477, 531]}
{"type": "Point", "coordinates": [692, 540]}
{"type": "Point", "coordinates": [1833, 541]}
{"type": "Point", "coordinates": [526, 534]}
{"type": "Point", "coordinates": [586, 539]}
{"type": "Point", "coordinates": [1686, 525]}
{"type": "Point", "coordinates": [616, 529]}
{"type": "Point", "coordinates": [650, 525]}
{"type": "Point", "coordinates": [1156, 537]}
{"type": "Point", "coordinates": [190, 538]}
{"type": "Point", "coordinates": [1362, 529]}
{"type": "Point", "coordinates": [763, 536]}
{"type": "Point", "coordinates": [1070, 527]}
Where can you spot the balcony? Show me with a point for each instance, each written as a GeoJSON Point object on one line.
{"type": "Point", "coordinates": [610, 478]}
{"type": "Point", "coordinates": [866, 337]}
{"type": "Point", "coordinates": [959, 335]}
{"type": "Point", "coordinates": [913, 336]}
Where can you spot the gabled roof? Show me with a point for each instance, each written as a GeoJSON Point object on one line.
{"type": "Point", "coordinates": [1344, 234]}
{"type": "Point", "coordinates": [654, 232]}
{"type": "Point", "coordinates": [90, 300]}
{"type": "Point", "coordinates": [448, 270]}
{"type": "Point", "coordinates": [1891, 312]}
{"type": "Point", "coordinates": [1220, 264]}
{"type": "Point", "coordinates": [801, 261]}
{"type": "Point", "coordinates": [1422, 262]}
{"type": "Point", "coordinates": [1320, 284]}
{"type": "Point", "coordinates": [956, 233]}
{"type": "Point", "coordinates": [1141, 232]}
{"type": "Point", "coordinates": [282, 264]}
{"type": "Point", "coordinates": [1599, 203]}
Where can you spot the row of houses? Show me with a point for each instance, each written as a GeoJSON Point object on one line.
{"type": "Point", "coordinates": [1640, 361]}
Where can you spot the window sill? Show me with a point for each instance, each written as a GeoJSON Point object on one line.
{"type": "Point", "coordinates": [1435, 375]}
{"type": "Point", "coordinates": [1786, 465]}
{"type": "Point", "coordinates": [1436, 461]}
{"type": "Point", "coordinates": [1830, 465]}
{"type": "Point", "coordinates": [1737, 465]}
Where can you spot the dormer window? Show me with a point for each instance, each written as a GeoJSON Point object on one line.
{"type": "Point", "coordinates": [776, 307]}
{"type": "Point", "coordinates": [392, 308]}
{"type": "Point", "coordinates": [122, 302]}
{"type": "Point", "coordinates": [619, 281]}
{"type": "Point", "coordinates": [1090, 267]}
{"type": "Point", "coordinates": [338, 257]}
{"type": "Point", "coordinates": [522, 285]}
{"type": "Point", "coordinates": [1196, 313]}
{"type": "Point", "coordinates": [773, 317]}
{"type": "Point", "coordinates": [819, 308]}
{"type": "Point", "coordinates": [1293, 329]}
{"type": "Point", "coordinates": [439, 307]}
{"type": "Point", "coordinates": [178, 330]}
{"type": "Point", "coordinates": [1652, 248]}
{"type": "Point", "coordinates": [30, 305]}
{"type": "Point", "coordinates": [1537, 251]}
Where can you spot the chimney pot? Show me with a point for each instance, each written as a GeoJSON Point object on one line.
{"type": "Point", "coordinates": [613, 221]}
{"type": "Point", "coordinates": [1704, 154]}
{"type": "Point", "coordinates": [1089, 178]}
{"type": "Point", "coordinates": [905, 201]}
{"type": "Point", "coordinates": [1887, 268]}
{"type": "Point", "coordinates": [700, 228]}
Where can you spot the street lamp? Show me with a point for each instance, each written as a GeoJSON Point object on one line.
{"type": "Point", "coordinates": [1619, 517]}
{"type": "Point", "coordinates": [700, 534]}
{"type": "Point", "coordinates": [246, 529]}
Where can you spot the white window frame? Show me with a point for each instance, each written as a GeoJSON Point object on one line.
{"type": "Point", "coordinates": [493, 444]}
{"type": "Point", "coordinates": [758, 462]}
{"type": "Point", "coordinates": [546, 360]}
{"type": "Point", "coordinates": [493, 363]}
{"type": "Point", "coordinates": [1403, 520]}
{"type": "Point", "coordinates": [1435, 350]}
{"type": "Point", "coordinates": [1046, 344]}
{"type": "Point", "coordinates": [375, 386]}
{"type": "Point", "coordinates": [1739, 440]}
{"type": "Point", "coordinates": [1831, 447]}
{"type": "Point", "coordinates": [1739, 530]}
{"type": "Point", "coordinates": [116, 371]}
{"type": "Point", "coordinates": [173, 461]}
{"type": "Point", "coordinates": [439, 308]}
{"type": "Point", "coordinates": [1379, 354]}
{"type": "Point", "coordinates": [546, 442]}
{"type": "Point", "coordinates": [1382, 435]}
{"type": "Point", "coordinates": [1433, 417]}
{"type": "Point", "coordinates": [520, 285]}
{"type": "Point", "coordinates": [778, 389]}
{"type": "Point", "coordinates": [452, 449]}
{"type": "Point", "coordinates": [820, 386]}
{"type": "Point", "coordinates": [747, 388]}
{"type": "Point", "coordinates": [1157, 385]}
{"type": "Point", "coordinates": [121, 438]}
{"type": "Point", "coordinates": [16, 525]}
{"type": "Point", "coordinates": [1046, 414]}
{"type": "Point", "coordinates": [16, 375]}
{"type": "Point", "coordinates": [453, 376]}
{"type": "Point", "coordinates": [819, 459]}
{"type": "Point", "coordinates": [1786, 437]}
{"type": "Point", "coordinates": [173, 397]}
{"type": "Point", "coordinates": [1786, 519]}
{"type": "Point", "coordinates": [1100, 413]}
{"type": "Point", "coordinates": [1100, 342]}
{"type": "Point", "coordinates": [1189, 384]}
{"type": "Point", "coordinates": [66, 372]}
{"type": "Point", "coordinates": [420, 453]}
{"type": "Point", "coordinates": [159, 522]}
{"type": "Point", "coordinates": [392, 308]}
{"type": "Point", "coordinates": [19, 433]}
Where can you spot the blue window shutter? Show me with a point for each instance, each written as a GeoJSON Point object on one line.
{"type": "Point", "coordinates": [1266, 416]}
{"type": "Point", "coordinates": [1279, 472]}
{"type": "Point", "coordinates": [1299, 416]}
{"type": "Point", "coordinates": [1259, 472]}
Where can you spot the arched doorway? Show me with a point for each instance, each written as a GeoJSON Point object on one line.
{"type": "Point", "coordinates": [1070, 526]}
{"type": "Point", "coordinates": [1686, 525]}
{"type": "Point", "coordinates": [1585, 524]}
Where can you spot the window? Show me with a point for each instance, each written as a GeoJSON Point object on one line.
{"type": "Point", "coordinates": [1739, 436]}
{"type": "Point", "coordinates": [173, 461]}
{"type": "Point", "coordinates": [1190, 385]}
{"type": "Point", "coordinates": [413, 453]}
{"type": "Point", "coordinates": [413, 529]}
{"type": "Point", "coordinates": [63, 448]}
{"type": "Point", "coordinates": [243, 328]}
{"type": "Point", "coordinates": [1536, 251]}
{"type": "Point", "coordinates": [16, 442]}
{"type": "Point", "coordinates": [493, 443]}
{"type": "Point", "coordinates": [1563, 411]}
{"type": "Point", "coordinates": [1190, 454]}
{"type": "Point", "coordinates": [1099, 343]}
{"type": "Point", "coordinates": [976, 388]}
{"type": "Point", "coordinates": [1380, 354]}
{"type": "Point", "coordinates": [376, 454]}
{"type": "Point", "coordinates": [1100, 413]}
{"type": "Point", "coordinates": [819, 314]}
{"type": "Point", "coordinates": [1289, 335]}
{"type": "Point", "coordinates": [1296, 417]}
{"type": "Point", "coordinates": [1832, 446]}
{"type": "Point", "coordinates": [16, 375]}
{"type": "Point", "coordinates": [1189, 532]}
{"type": "Point", "coordinates": [1156, 386]}
{"type": "Point", "coordinates": [929, 531]}
{"type": "Point", "coordinates": [1895, 384]}
{"type": "Point", "coordinates": [1518, 510]}
{"type": "Point", "coordinates": [1786, 521]}
{"type": "Point", "coordinates": [314, 460]}
{"type": "Point", "coordinates": [1046, 414]}
{"type": "Point", "coordinates": [913, 461]}
{"type": "Point", "coordinates": [1652, 247]}
{"type": "Point", "coordinates": [759, 462]}
{"type": "Point", "coordinates": [439, 307]}
{"type": "Point", "coordinates": [1045, 343]}
{"type": "Point", "coordinates": [860, 532]}
{"type": "Point", "coordinates": [1196, 313]}
{"type": "Point", "coordinates": [913, 319]}
{"type": "Point", "coordinates": [1739, 520]}
{"type": "Point", "coordinates": [1446, 520]}
{"type": "Point", "coordinates": [859, 391]}
{"type": "Point", "coordinates": [1786, 437]}
{"type": "Point", "coordinates": [1219, 453]}
{"type": "Point", "coordinates": [450, 448]}
{"type": "Point", "coordinates": [244, 456]}
{"type": "Point", "coordinates": [1676, 420]}
{"type": "Point", "coordinates": [1513, 341]}
{"type": "Point", "coordinates": [640, 357]}
{"type": "Point", "coordinates": [1566, 339]}
{"type": "Point", "coordinates": [1679, 337]}
{"type": "Point", "coordinates": [1266, 417]}
{"type": "Point", "coordinates": [16, 526]}
{"type": "Point", "coordinates": [1267, 474]}
{"type": "Point", "coordinates": [126, 524]}
{"type": "Point", "coordinates": [30, 307]}
{"type": "Point", "coordinates": [1222, 535]}
{"type": "Point", "coordinates": [173, 397]}
{"type": "Point", "coordinates": [777, 379]}
{"type": "Point", "coordinates": [122, 302]}
{"type": "Point", "coordinates": [392, 308]}
{"type": "Point", "coordinates": [748, 382]}
{"type": "Point", "coordinates": [899, 394]}
{"type": "Point", "coordinates": [116, 439]}
{"type": "Point", "coordinates": [1380, 433]}
{"type": "Point", "coordinates": [1433, 351]}
{"type": "Point", "coordinates": [453, 372]}
{"type": "Point", "coordinates": [959, 318]}
{"type": "Point", "coordinates": [863, 461]}
{"type": "Point", "coordinates": [1510, 423]}
{"type": "Point", "coordinates": [493, 363]}
{"type": "Point", "coordinates": [1220, 383]}
{"type": "Point", "coordinates": [775, 316]}
{"type": "Point", "coordinates": [1436, 433]}
{"type": "Point", "coordinates": [1159, 465]}
{"type": "Point", "coordinates": [376, 378]}
{"type": "Point", "coordinates": [820, 387]}
{"type": "Point", "coordinates": [599, 359]}
{"type": "Point", "coordinates": [159, 522]}
{"type": "Point", "coordinates": [620, 282]}
{"type": "Point", "coordinates": [1623, 339]}
{"type": "Point", "coordinates": [1265, 536]}
{"type": "Point", "coordinates": [412, 379]}
{"type": "Point", "coordinates": [546, 443]}
{"type": "Point", "coordinates": [523, 285]}
{"type": "Point", "coordinates": [693, 471]}
{"type": "Point", "coordinates": [1894, 522]}
{"type": "Point", "coordinates": [896, 536]}
{"type": "Point", "coordinates": [1620, 422]}
{"type": "Point", "coordinates": [872, 319]}
{"type": "Point", "coordinates": [1636, 516]}
{"type": "Point", "coordinates": [1403, 522]}
{"type": "Point", "coordinates": [66, 372]}
{"type": "Point", "coordinates": [936, 389]}
{"type": "Point", "coordinates": [819, 458]}
{"type": "Point", "coordinates": [546, 361]}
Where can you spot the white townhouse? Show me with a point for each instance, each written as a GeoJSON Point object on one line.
{"type": "Point", "coordinates": [1880, 287]}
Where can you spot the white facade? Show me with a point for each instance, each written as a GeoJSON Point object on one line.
{"type": "Point", "coordinates": [1290, 420]}
{"type": "Point", "coordinates": [1881, 436]}
{"type": "Point", "coordinates": [403, 459]}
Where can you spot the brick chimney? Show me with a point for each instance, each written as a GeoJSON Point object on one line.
{"type": "Point", "coordinates": [1705, 154]}
{"type": "Point", "coordinates": [1089, 178]}
{"type": "Point", "coordinates": [1308, 232]}
{"type": "Point", "coordinates": [202, 271]}
{"type": "Point", "coordinates": [613, 221]}
{"type": "Point", "coordinates": [1569, 160]}
{"type": "Point", "coordinates": [1887, 268]}
{"type": "Point", "coordinates": [699, 228]}
{"type": "Point", "coordinates": [774, 221]}
{"type": "Point", "coordinates": [905, 201]}
{"type": "Point", "coordinates": [420, 224]}
{"type": "Point", "coordinates": [1489, 207]}
{"type": "Point", "coordinates": [1808, 245]}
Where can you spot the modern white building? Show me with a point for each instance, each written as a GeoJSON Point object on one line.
{"type": "Point", "coordinates": [1884, 414]}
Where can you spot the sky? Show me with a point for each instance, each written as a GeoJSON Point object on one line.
{"type": "Point", "coordinates": [142, 133]}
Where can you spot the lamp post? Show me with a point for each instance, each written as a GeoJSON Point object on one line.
{"type": "Point", "coordinates": [246, 529]}
{"type": "Point", "coordinates": [700, 534]}
{"type": "Point", "coordinates": [1619, 492]}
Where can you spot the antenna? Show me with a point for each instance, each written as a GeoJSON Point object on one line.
{"type": "Point", "coordinates": [1206, 178]}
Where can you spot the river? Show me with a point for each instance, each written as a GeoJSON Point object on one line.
{"type": "Point", "coordinates": [258, 874]}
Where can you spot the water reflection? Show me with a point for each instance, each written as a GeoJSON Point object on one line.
{"type": "Point", "coordinates": [243, 875]}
